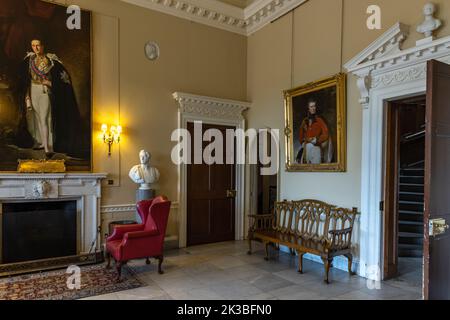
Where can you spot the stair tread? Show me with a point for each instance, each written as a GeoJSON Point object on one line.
{"type": "Point", "coordinates": [410, 202]}
{"type": "Point", "coordinates": [411, 193]}
{"type": "Point", "coordinates": [411, 184]}
{"type": "Point", "coordinates": [410, 235]}
{"type": "Point", "coordinates": [411, 223]}
{"type": "Point", "coordinates": [409, 176]}
{"type": "Point", "coordinates": [411, 212]}
{"type": "Point", "coordinates": [409, 246]}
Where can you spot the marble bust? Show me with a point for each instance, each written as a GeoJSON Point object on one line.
{"type": "Point", "coordinates": [431, 23]}
{"type": "Point", "coordinates": [143, 173]}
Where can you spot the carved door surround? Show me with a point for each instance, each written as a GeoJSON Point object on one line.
{"type": "Point", "coordinates": [219, 112]}
{"type": "Point", "coordinates": [385, 72]}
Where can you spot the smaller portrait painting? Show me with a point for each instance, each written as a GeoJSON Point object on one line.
{"type": "Point", "coordinates": [316, 126]}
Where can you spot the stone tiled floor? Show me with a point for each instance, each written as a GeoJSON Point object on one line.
{"type": "Point", "coordinates": [224, 271]}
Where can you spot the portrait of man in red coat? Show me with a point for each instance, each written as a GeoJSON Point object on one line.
{"type": "Point", "coordinates": [314, 137]}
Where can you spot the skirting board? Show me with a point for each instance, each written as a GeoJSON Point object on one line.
{"type": "Point", "coordinates": [340, 263]}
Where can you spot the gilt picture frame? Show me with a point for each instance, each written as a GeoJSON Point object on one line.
{"type": "Point", "coordinates": [58, 64]}
{"type": "Point", "coordinates": [315, 132]}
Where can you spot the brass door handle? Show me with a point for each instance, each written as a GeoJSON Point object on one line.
{"type": "Point", "coordinates": [438, 227]}
{"type": "Point", "coordinates": [231, 193]}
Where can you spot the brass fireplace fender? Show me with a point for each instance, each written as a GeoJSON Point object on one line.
{"type": "Point", "coordinates": [11, 269]}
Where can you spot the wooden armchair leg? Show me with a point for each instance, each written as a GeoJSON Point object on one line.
{"type": "Point", "coordinates": [160, 261]}
{"type": "Point", "coordinates": [119, 269]}
{"type": "Point", "coordinates": [300, 262]}
{"type": "Point", "coordinates": [266, 247]}
{"type": "Point", "coordinates": [327, 264]}
{"type": "Point", "coordinates": [350, 264]}
{"type": "Point", "coordinates": [108, 258]}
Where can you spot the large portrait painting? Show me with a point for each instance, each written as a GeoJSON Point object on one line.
{"type": "Point", "coordinates": [316, 126]}
{"type": "Point", "coordinates": [45, 85]}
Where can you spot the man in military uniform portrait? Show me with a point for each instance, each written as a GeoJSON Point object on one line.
{"type": "Point", "coordinates": [45, 85]}
{"type": "Point", "coordinates": [48, 104]}
{"type": "Point", "coordinates": [314, 137]}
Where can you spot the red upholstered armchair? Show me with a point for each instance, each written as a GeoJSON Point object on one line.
{"type": "Point", "coordinates": [144, 240]}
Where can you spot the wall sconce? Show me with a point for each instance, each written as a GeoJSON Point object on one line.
{"type": "Point", "coordinates": [111, 136]}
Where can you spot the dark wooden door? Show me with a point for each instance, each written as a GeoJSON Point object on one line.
{"type": "Point", "coordinates": [437, 182]}
{"type": "Point", "coordinates": [210, 196]}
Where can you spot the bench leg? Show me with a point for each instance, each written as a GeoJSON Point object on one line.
{"type": "Point", "coordinates": [350, 263]}
{"type": "Point", "coordinates": [249, 252]}
{"type": "Point", "coordinates": [266, 247]}
{"type": "Point", "coordinates": [327, 264]}
{"type": "Point", "coordinates": [300, 262]}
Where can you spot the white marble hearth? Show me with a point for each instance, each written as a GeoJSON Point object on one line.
{"type": "Point", "coordinates": [85, 188]}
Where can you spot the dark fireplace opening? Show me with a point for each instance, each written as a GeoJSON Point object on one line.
{"type": "Point", "coordinates": [38, 230]}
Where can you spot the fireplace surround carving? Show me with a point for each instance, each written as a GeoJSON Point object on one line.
{"type": "Point", "coordinates": [84, 188]}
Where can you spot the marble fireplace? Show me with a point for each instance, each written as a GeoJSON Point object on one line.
{"type": "Point", "coordinates": [54, 220]}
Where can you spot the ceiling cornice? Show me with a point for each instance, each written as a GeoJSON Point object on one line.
{"type": "Point", "coordinates": [262, 12]}
{"type": "Point", "coordinates": [223, 16]}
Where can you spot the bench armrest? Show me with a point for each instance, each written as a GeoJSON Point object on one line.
{"type": "Point", "coordinates": [260, 221]}
{"type": "Point", "coordinates": [341, 239]}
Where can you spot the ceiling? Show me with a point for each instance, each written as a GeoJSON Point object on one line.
{"type": "Point", "coordinates": [239, 16]}
{"type": "Point", "coordinates": [238, 3]}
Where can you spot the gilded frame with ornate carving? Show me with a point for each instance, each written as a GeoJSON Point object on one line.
{"type": "Point", "coordinates": [315, 132]}
{"type": "Point", "coordinates": [84, 132]}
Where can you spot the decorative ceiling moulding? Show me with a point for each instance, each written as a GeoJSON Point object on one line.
{"type": "Point", "coordinates": [221, 15]}
{"type": "Point", "coordinates": [262, 12]}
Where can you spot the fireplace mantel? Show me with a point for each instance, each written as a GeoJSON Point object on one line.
{"type": "Point", "coordinates": [85, 188]}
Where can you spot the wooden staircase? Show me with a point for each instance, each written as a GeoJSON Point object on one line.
{"type": "Point", "coordinates": [411, 208]}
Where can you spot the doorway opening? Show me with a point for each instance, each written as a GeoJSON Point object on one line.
{"type": "Point", "coordinates": [403, 204]}
{"type": "Point", "coordinates": [266, 185]}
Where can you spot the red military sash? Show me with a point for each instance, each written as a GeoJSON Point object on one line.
{"type": "Point", "coordinates": [36, 70]}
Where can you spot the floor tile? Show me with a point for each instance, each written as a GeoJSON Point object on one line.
{"type": "Point", "coordinates": [225, 271]}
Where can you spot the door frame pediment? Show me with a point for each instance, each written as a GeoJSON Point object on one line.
{"type": "Point", "coordinates": [219, 112]}
{"type": "Point", "coordinates": [385, 72]}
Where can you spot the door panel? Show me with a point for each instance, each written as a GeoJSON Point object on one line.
{"type": "Point", "coordinates": [210, 212]}
{"type": "Point", "coordinates": [437, 181]}
{"type": "Point", "coordinates": [202, 225]}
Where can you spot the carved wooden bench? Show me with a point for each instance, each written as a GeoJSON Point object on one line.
{"type": "Point", "coordinates": [306, 226]}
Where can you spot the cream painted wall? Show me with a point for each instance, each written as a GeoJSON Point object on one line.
{"type": "Point", "coordinates": [303, 46]}
{"type": "Point", "coordinates": [311, 43]}
{"type": "Point", "coordinates": [194, 58]}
